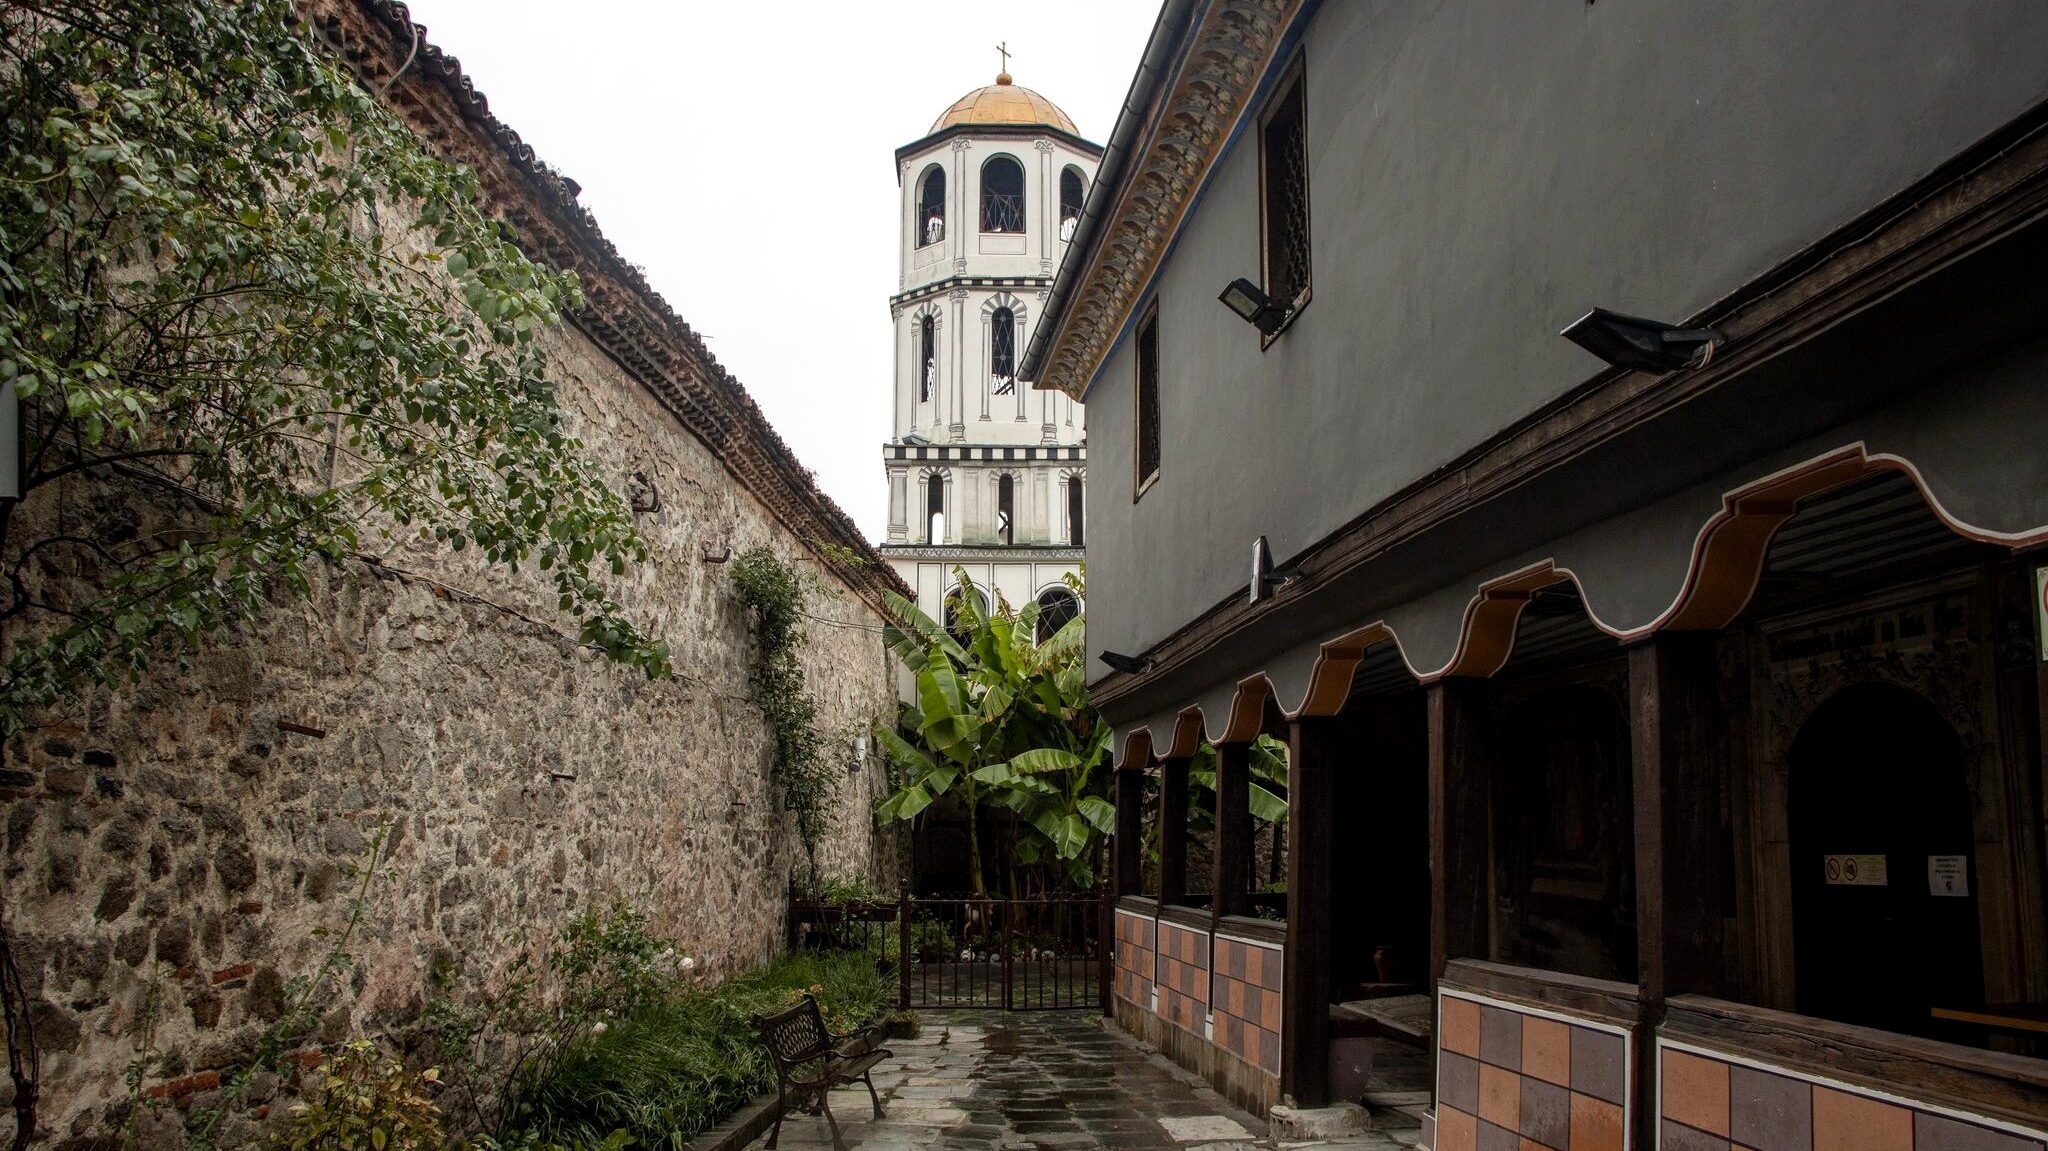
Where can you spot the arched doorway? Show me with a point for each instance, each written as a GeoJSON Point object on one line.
{"type": "Point", "coordinates": [1884, 888]}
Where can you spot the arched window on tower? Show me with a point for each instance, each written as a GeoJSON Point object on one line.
{"type": "Point", "coordinates": [1057, 607]}
{"type": "Point", "coordinates": [1073, 188]}
{"type": "Point", "coordinates": [1002, 195]}
{"type": "Point", "coordinates": [931, 206]}
{"type": "Point", "coordinates": [1002, 351]}
{"type": "Point", "coordinates": [966, 607]}
{"type": "Point", "coordinates": [1006, 509]}
{"type": "Point", "coordinates": [935, 509]}
{"type": "Point", "coordinates": [927, 357]}
{"type": "Point", "coordinates": [1074, 505]}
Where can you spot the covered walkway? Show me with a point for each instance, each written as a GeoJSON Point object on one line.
{"type": "Point", "coordinates": [1011, 1082]}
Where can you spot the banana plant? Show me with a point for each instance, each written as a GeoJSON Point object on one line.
{"type": "Point", "coordinates": [1005, 720]}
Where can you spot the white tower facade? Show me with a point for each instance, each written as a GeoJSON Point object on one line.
{"type": "Point", "coordinates": [986, 473]}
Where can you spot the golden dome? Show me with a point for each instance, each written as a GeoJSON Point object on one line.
{"type": "Point", "coordinates": [1004, 102]}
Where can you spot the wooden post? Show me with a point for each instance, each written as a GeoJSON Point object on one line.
{"type": "Point", "coordinates": [1173, 831]}
{"type": "Point", "coordinates": [1676, 764]}
{"type": "Point", "coordinates": [1312, 751]}
{"type": "Point", "coordinates": [1129, 843]}
{"type": "Point", "coordinates": [1677, 778]}
{"type": "Point", "coordinates": [1460, 744]}
{"type": "Point", "coordinates": [1233, 877]}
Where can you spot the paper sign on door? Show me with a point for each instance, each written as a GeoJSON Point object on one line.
{"type": "Point", "coordinates": [1948, 875]}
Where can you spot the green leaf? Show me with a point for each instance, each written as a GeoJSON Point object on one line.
{"type": "Point", "coordinates": [904, 804]}
{"type": "Point", "coordinates": [1044, 759]}
{"type": "Point", "coordinates": [1098, 812]}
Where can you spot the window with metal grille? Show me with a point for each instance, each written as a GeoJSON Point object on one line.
{"type": "Point", "coordinates": [1006, 506]}
{"type": "Point", "coordinates": [1002, 351]}
{"type": "Point", "coordinates": [927, 358]}
{"type": "Point", "coordinates": [1074, 505]}
{"type": "Point", "coordinates": [1002, 195]}
{"type": "Point", "coordinates": [931, 206]}
{"type": "Point", "coordinates": [1283, 155]}
{"type": "Point", "coordinates": [1057, 608]}
{"type": "Point", "coordinates": [1148, 401]}
{"type": "Point", "coordinates": [1072, 188]}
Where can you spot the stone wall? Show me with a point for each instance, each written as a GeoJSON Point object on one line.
{"type": "Point", "coordinates": [175, 832]}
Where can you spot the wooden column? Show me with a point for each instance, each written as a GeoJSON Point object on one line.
{"type": "Point", "coordinates": [1460, 750]}
{"type": "Point", "coordinates": [1675, 754]}
{"type": "Point", "coordinates": [1675, 762]}
{"type": "Point", "coordinates": [1173, 831]}
{"type": "Point", "coordinates": [1313, 748]}
{"type": "Point", "coordinates": [1233, 877]}
{"type": "Point", "coordinates": [1129, 845]}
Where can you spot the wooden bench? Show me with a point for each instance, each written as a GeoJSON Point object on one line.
{"type": "Point", "coordinates": [810, 1061]}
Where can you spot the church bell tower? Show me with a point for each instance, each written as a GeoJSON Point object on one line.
{"type": "Point", "coordinates": [986, 473]}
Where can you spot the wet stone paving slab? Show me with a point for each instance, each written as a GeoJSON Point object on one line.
{"type": "Point", "coordinates": [986, 1081]}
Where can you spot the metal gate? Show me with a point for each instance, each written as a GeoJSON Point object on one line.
{"type": "Point", "coordinates": [1047, 953]}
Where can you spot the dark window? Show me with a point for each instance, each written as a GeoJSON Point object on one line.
{"type": "Point", "coordinates": [927, 358]}
{"type": "Point", "coordinates": [1283, 153]}
{"type": "Point", "coordinates": [1002, 351]}
{"type": "Point", "coordinates": [935, 510]}
{"type": "Point", "coordinates": [1006, 507]}
{"type": "Point", "coordinates": [1002, 195]}
{"type": "Point", "coordinates": [931, 206]}
{"type": "Point", "coordinates": [1074, 504]}
{"type": "Point", "coordinates": [1057, 607]}
{"type": "Point", "coordinates": [1072, 189]}
{"type": "Point", "coordinates": [1148, 401]}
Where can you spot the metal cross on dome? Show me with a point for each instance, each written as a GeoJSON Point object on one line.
{"type": "Point", "coordinates": [1004, 48]}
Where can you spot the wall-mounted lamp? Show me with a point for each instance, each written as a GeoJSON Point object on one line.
{"type": "Point", "coordinates": [1128, 664]}
{"type": "Point", "coordinates": [1642, 345]}
{"type": "Point", "coordinates": [642, 493]}
{"type": "Point", "coordinates": [1266, 579]}
{"type": "Point", "coordinates": [1254, 306]}
{"type": "Point", "coordinates": [860, 755]}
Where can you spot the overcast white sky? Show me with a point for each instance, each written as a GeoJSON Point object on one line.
{"type": "Point", "coordinates": [742, 154]}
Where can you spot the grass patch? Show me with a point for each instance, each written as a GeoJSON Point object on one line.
{"type": "Point", "coordinates": [679, 1065]}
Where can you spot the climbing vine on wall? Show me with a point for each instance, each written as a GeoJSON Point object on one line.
{"type": "Point", "coordinates": [774, 594]}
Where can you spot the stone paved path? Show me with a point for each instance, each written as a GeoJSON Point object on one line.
{"type": "Point", "coordinates": [1058, 1080]}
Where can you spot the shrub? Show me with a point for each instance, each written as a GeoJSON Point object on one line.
{"type": "Point", "coordinates": [676, 1067]}
{"type": "Point", "coordinates": [364, 1100]}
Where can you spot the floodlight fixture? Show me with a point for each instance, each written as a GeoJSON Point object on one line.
{"type": "Point", "coordinates": [1254, 306]}
{"type": "Point", "coordinates": [1642, 345]}
{"type": "Point", "coordinates": [1128, 664]}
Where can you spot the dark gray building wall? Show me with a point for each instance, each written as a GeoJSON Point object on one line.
{"type": "Point", "coordinates": [1481, 174]}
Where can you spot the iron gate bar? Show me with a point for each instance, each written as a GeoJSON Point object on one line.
{"type": "Point", "coordinates": [1043, 953]}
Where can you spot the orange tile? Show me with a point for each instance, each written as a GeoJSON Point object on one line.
{"type": "Point", "coordinates": [1547, 1050]}
{"type": "Point", "coordinates": [1456, 1131]}
{"type": "Point", "coordinates": [1529, 1144]}
{"type": "Point", "coordinates": [1461, 1026]}
{"type": "Point", "coordinates": [1596, 1124]}
{"type": "Point", "coordinates": [1500, 1097]}
{"type": "Point", "coordinates": [1694, 1091]}
{"type": "Point", "coordinates": [1845, 1122]}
